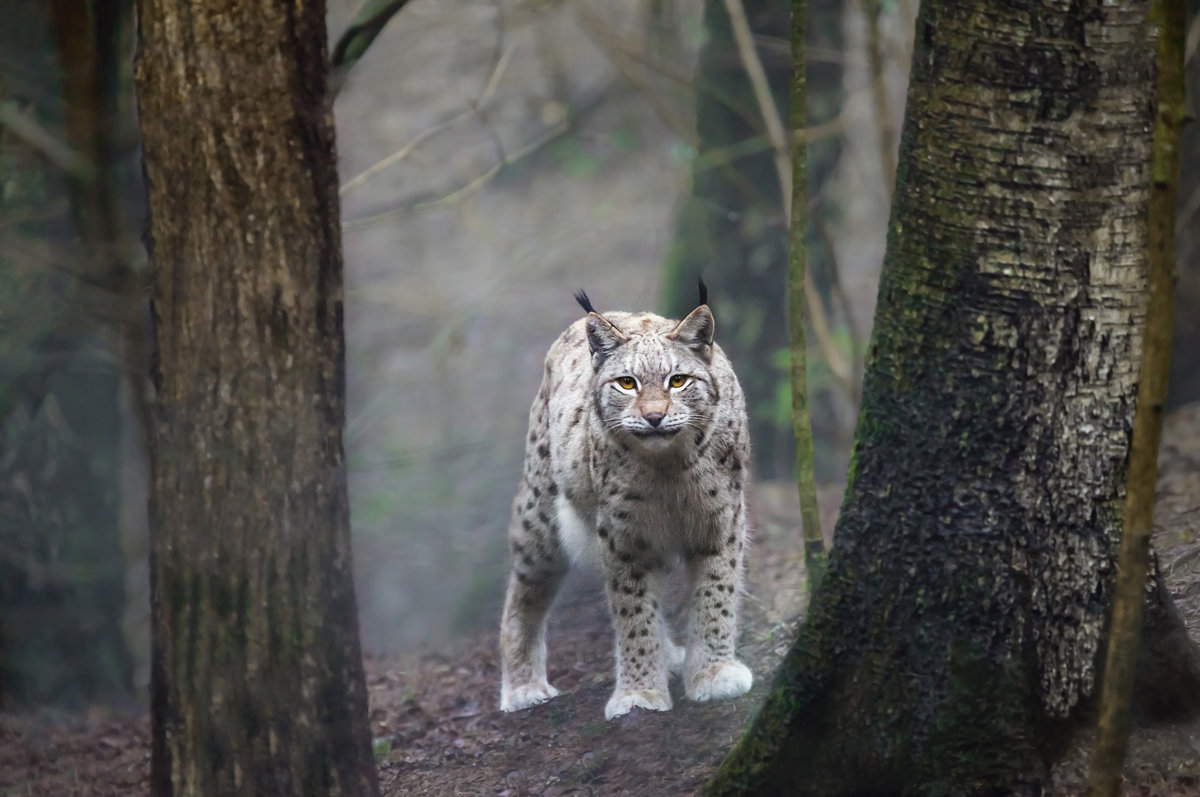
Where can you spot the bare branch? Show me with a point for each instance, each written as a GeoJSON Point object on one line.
{"type": "Point", "coordinates": [776, 134]}
{"type": "Point", "coordinates": [843, 372]}
{"type": "Point", "coordinates": [501, 57]}
{"type": "Point", "coordinates": [476, 184]}
{"type": "Point", "coordinates": [839, 291]}
{"type": "Point", "coordinates": [634, 68]}
{"type": "Point", "coordinates": [871, 9]}
{"type": "Point", "coordinates": [407, 149]}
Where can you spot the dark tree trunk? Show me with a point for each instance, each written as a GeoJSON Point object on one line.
{"type": "Point", "coordinates": [257, 679]}
{"type": "Point", "coordinates": [731, 230]}
{"type": "Point", "coordinates": [955, 638]}
{"type": "Point", "coordinates": [1185, 344]}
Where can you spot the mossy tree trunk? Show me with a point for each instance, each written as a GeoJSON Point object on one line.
{"type": "Point", "coordinates": [257, 678]}
{"type": "Point", "coordinates": [802, 433]}
{"type": "Point", "coordinates": [955, 638]}
{"type": "Point", "coordinates": [732, 230]}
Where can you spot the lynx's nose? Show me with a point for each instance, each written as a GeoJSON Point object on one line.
{"type": "Point", "coordinates": [654, 418]}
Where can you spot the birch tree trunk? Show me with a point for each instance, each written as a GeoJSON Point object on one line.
{"type": "Point", "coordinates": [956, 636]}
{"type": "Point", "coordinates": [257, 678]}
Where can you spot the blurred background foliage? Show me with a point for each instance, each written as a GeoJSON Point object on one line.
{"type": "Point", "coordinates": [496, 155]}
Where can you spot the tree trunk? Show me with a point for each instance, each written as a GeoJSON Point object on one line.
{"type": "Point", "coordinates": [1185, 344]}
{"type": "Point", "coordinates": [257, 679]}
{"type": "Point", "coordinates": [810, 514]}
{"type": "Point", "coordinates": [955, 638]}
{"type": "Point", "coordinates": [732, 232]}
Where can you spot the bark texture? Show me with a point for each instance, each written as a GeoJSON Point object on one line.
{"type": "Point", "coordinates": [956, 635]}
{"type": "Point", "coordinates": [257, 680]}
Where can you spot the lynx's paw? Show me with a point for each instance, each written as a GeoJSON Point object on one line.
{"type": "Point", "coordinates": [525, 695]}
{"type": "Point", "coordinates": [718, 680]}
{"type": "Point", "coordinates": [625, 700]}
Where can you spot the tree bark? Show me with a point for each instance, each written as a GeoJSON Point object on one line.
{"type": "Point", "coordinates": [257, 678]}
{"type": "Point", "coordinates": [955, 639]}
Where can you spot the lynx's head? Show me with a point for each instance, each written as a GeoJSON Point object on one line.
{"type": "Point", "coordinates": [652, 376]}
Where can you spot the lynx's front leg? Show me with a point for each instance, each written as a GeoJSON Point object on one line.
{"type": "Point", "coordinates": [644, 650]}
{"type": "Point", "coordinates": [711, 671]}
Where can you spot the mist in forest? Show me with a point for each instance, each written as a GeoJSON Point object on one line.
{"type": "Point", "coordinates": [494, 158]}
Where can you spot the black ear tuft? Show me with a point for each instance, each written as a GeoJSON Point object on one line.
{"type": "Point", "coordinates": [703, 290]}
{"type": "Point", "coordinates": [584, 301]}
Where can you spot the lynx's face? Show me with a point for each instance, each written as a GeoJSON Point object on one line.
{"type": "Point", "coordinates": [653, 382]}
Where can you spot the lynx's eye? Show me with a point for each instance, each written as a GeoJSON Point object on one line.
{"type": "Point", "coordinates": [679, 380]}
{"type": "Point", "coordinates": [626, 382]}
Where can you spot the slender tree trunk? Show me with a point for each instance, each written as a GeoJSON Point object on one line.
{"type": "Point", "coordinates": [810, 514]}
{"type": "Point", "coordinates": [257, 679]}
{"type": "Point", "coordinates": [1116, 694]}
{"type": "Point", "coordinates": [956, 635]}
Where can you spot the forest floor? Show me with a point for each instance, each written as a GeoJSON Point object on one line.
{"type": "Point", "coordinates": [439, 730]}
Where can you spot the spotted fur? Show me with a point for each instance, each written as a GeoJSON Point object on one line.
{"type": "Point", "coordinates": [631, 471]}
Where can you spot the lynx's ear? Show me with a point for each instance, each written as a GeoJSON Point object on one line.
{"type": "Point", "coordinates": [696, 331]}
{"type": "Point", "coordinates": [603, 337]}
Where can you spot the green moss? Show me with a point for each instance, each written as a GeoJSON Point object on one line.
{"type": "Point", "coordinates": [999, 751]}
{"type": "Point", "coordinates": [381, 746]}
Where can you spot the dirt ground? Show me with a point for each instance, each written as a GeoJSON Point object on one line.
{"type": "Point", "coordinates": [439, 730]}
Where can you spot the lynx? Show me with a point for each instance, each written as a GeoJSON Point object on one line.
{"type": "Point", "coordinates": [636, 458]}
